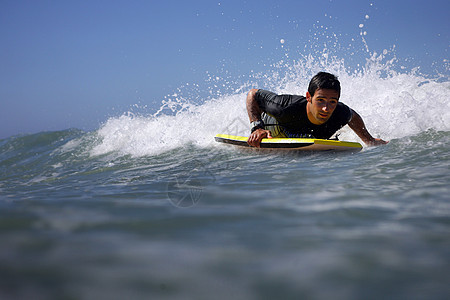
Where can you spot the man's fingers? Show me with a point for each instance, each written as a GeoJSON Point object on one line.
{"type": "Point", "coordinates": [255, 138]}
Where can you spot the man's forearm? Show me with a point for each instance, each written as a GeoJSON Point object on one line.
{"type": "Point", "coordinates": [253, 110]}
{"type": "Point", "coordinates": [358, 126]}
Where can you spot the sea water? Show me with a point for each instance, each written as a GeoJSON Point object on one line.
{"type": "Point", "coordinates": [148, 206]}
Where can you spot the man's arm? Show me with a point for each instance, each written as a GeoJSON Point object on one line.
{"type": "Point", "coordinates": [357, 124]}
{"type": "Point", "coordinates": [254, 114]}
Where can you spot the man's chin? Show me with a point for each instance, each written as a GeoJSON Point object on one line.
{"type": "Point", "coordinates": [322, 120]}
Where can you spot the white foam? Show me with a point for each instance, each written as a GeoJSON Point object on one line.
{"type": "Point", "coordinates": [138, 135]}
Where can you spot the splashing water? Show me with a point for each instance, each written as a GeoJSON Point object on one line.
{"type": "Point", "coordinates": [392, 104]}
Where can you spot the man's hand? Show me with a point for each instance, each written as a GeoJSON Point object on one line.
{"type": "Point", "coordinates": [255, 138]}
{"type": "Point", "coordinates": [377, 142]}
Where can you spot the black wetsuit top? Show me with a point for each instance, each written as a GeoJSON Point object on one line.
{"type": "Point", "coordinates": [290, 114]}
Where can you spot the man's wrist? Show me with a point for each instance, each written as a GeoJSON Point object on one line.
{"type": "Point", "coordinates": [258, 124]}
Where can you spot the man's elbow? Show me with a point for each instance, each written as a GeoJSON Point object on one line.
{"type": "Point", "coordinates": [251, 96]}
{"type": "Point", "coordinates": [252, 93]}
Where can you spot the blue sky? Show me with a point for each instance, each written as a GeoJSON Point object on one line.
{"type": "Point", "coordinates": [73, 64]}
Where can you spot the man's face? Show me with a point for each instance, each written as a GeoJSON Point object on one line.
{"type": "Point", "coordinates": [320, 107]}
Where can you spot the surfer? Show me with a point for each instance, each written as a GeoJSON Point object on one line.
{"type": "Point", "coordinates": [318, 115]}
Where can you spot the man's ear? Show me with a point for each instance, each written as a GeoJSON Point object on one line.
{"type": "Point", "coordinates": [308, 97]}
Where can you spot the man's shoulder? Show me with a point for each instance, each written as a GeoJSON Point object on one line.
{"type": "Point", "coordinates": [289, 98]}
{"type": "Point", "coordinates": [343, 107]}
{"type": "Point", "coordinates": [343, 111]}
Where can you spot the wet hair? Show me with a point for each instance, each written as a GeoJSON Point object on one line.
{"type": "Point", "coordinates": [323, 80]}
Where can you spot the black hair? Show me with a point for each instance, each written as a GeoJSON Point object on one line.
{"type": "Point", "coordinates": [323, 80]}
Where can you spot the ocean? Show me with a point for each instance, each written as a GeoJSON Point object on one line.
{"type": "Point", "coordinates": [149, 206]}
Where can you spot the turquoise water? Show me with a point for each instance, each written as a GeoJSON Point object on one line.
{"type": "Point", "coordinates": [208, 222]}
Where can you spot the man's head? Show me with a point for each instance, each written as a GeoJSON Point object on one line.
{"type": "Point", "coordinates": [323, 95]}
{"type": "Point", "coordinates": [325, 81]}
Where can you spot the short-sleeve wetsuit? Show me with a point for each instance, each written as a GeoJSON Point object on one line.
{"type": "Point", "coordinates": [288, 112]}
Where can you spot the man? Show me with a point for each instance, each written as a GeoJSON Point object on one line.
{"type": "Point", "coordinates": [318, 115]}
